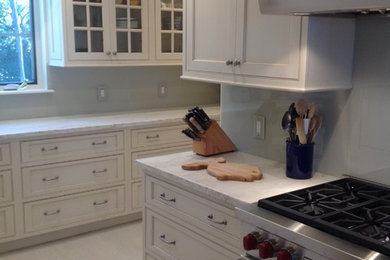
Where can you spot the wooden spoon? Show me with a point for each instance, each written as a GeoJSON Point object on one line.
{"type": "Point", "coordinates": [301, 130]}
{"type": "Point", "coordinates": [312, 110]}
{"type": "Point", "coordinates": [317, 121]}
{"type": "Point", "coordinates": [202, 165]}
{"type": "Point", "coordinates": [301, 107]}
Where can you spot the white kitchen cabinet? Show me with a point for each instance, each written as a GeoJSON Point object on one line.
{"type": "Point", "coordinates": [108, 33]}
{"type": "Point", "coordinates": [73, 210]}
{"type": "Point", "coordinates": [169, 240]}
{"type": "Point", "coordinates": [231, 42]}
{"type": "Point", "coordinates": [169, 29]}
{"type": "Point", "coordinates": [7, 222]}
{"type": "Point", "coordinates": [192, 222]}
{"type": "Point", "coordinates": [150, 142]}
{"type": "Point", "coordinates": [5, 154]}
{"type": "Point", "coordinates": [60, 177]}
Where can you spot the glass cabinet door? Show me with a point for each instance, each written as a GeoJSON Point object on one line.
{"type": "Point", "coordinates": [130, 39]}
{"type": "Point", "coordinates": [169, 29]}
{"type": "Point", "coordinates": [88, 29]}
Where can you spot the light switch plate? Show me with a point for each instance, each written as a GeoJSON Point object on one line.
{"type": "Point", "coordinates": [162, 89]}
{"type": "Point", "coordinates": [259, 127]}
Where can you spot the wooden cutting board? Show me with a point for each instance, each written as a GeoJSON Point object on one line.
{"type": "Point", "coordinates": [227, 171]}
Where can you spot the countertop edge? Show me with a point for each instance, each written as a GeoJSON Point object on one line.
{"type": "Point", "coordinates": [38, 127]}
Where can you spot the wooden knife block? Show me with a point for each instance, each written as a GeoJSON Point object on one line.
{"type": "Point", "coordinates": [213, 141]}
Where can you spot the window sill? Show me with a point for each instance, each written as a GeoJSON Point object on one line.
{"type": "Point", "coordinates": [25, 92]}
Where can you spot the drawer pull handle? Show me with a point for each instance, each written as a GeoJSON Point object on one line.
{"type": "Point", "coordinates": [211, 219]}
{"type": "Point", "coordinates": [153, 137]}
{"type": "Point", "coordinates": [101, 143]}
{"type": "Point", "coordinates": [163, 197]}
{"type": "Point", "coordinates": [100, 203]}
{"type": "Point", "coordinates": [43, 149]}
{"type": "Point", "coordinates": [51, 179]}
{"type": "Point", "coordinates": [162, 238]}
{"type": "Point", "coordinates": [52, 213]}
{"type": "Point", "coordinates": [102, 171]}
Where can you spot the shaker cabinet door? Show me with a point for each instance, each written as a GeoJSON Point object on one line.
{"type": "Point", "coordinates": [210, 35]}
{"type": "Point", "coordinates": [130, 30]}
{"type": "Point", "coordinates": [169, 29]}
{"type": "Point", "coordinates": [267, 45]}
{"type": "Point", "coordinates": [88, 30]}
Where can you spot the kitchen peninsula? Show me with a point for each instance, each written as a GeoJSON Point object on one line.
{"type": "Point", "coordinates": [190, 214]}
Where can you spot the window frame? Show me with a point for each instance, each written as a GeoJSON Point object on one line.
{"type": "Point", "coordinates": [40, 53]}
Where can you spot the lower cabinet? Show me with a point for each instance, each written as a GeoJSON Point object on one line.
{"type": "Point", "coordinates": [136, 173]}
{"type": "Point", "coordinates": [74, 209]}
{"type": "Point", "coordinates": [7, 224]}
{"type": "Point", "coordinates": [55, 184]}
{"type": "Point", "coordinates": [180, 224]}
{"type": "Point", "coordinates": [171, 241]}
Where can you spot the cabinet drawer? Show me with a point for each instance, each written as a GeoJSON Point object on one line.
{"type": "Point", "coordinates": [5, 186]}
{"type": "Point", "coordinates": [170, 198]}
{"type": "Point", "coordinates": [7, 224]}
{"type": "Point", "coordinates": [162, 136]}
{"type": "Point", "coordinates": [5, 154]}
{"type": "Point", "coordinates": [136, 172]}
{"type": "Point", "coordinates": [70, 210]}
{"type": "Point", "coordinates": [172, 241]}
{"type": "Point", "coordinates": [62, 177]}
{"type": "Point", "coordinates": [136, 196]}
{"type": "Point", "coordinates": [71, 147]}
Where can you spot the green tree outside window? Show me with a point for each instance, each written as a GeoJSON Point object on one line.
{"type": "Point", "coordinates": [17, 51]}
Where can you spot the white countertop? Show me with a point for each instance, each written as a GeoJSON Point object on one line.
{"type": "Point", "coordinates": [92, 122]}
{"type": "Point", "coordinates": [230, 193]}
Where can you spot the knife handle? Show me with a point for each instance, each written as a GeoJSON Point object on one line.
{"type": "Point", "coordinates": [204, 114]}
{"type": "Point", "coordinates": [187, 121]}
{"type": "Point", "coordinates": [197, 125]}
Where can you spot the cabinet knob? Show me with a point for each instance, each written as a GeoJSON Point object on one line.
{"type": "Point", "coordinates": [237, 63]}
{"type": "Point", "coordinates": [108, 52]}
{"type": "Point", "coordinates": [114, 53]}
{"type": "Point", "coordinates": [229, 62]}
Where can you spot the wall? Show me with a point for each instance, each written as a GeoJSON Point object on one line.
{"type": "Point", "coordinates": [354, 137]}
{"type": "Point", "coordinates": [129, 88]}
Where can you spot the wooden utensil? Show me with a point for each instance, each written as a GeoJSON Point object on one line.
{"type": "Point", "coordinates": [315, 124]}
{"type": "Point", "coordinates": [202, 165]}
{"type": "Point", "coordinates": [312, 110]}
{"type": "Point", "coordinates": [227, 171]}
{"type": "Point", "coordinates": [300, 130]}
{"type": "Point", "coordinates": [301, 107]}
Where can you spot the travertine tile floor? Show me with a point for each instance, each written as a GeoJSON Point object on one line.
{"type": "Point", "coordinates": [123, 242]}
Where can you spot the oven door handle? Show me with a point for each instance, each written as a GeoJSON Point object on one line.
{"type": "Point", "coordinates": [247, 257]}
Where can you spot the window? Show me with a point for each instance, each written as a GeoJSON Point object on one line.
{"type": "Point", "coordinates": [21, 45]}
{"type": "Point", "coordinates": [17, 50]}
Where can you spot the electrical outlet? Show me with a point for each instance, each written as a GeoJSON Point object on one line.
{"type": "Point", "coordinates": [259, 127]}
{"type": "Point", "coordinates": [162, 89]}
{"type": "Point", "coordinates": [102, 93]}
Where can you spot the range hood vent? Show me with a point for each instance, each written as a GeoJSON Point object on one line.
{"type": "Point", "coordinates": [324, 7]}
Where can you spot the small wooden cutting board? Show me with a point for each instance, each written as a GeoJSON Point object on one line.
{"type": "Point", "coordinates": [227, 171]}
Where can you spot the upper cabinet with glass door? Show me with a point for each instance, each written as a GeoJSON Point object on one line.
{"type": "Point", "coordinates": [112, 32]}
{"type": "Point", "coordinates": [169, 29]}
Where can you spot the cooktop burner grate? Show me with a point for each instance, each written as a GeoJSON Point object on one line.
{"type": "Point", "coordinates": [348, 208]}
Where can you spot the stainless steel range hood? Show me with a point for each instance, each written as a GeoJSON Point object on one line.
{"type": "Point", "coordinates": [324, 7]}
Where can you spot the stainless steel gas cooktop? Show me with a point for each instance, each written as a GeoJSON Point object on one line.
{"type": "Point", "coordinates": [346, 219]}
{"type": "Point", "coordinates": [351, 209]}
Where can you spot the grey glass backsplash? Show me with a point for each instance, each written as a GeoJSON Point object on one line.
{"type": "Point", "coordinates": [354, 137]}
